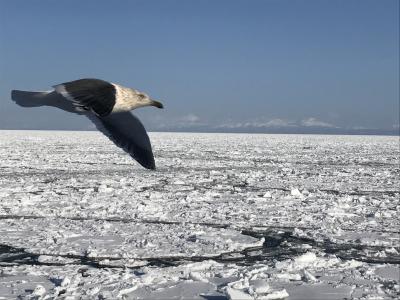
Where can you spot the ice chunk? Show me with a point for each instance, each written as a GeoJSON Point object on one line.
{"type": "Point", "coordinates": [282, 294]}
{"type": "Point", "coordinates": [39, 291]}
{"type": "Point", "coordinates": [296, 193]}
{"type": "Point", "coordinates": [260, 286]}
{"type": "Point", "coordinates": [267, 195]}
{"type": "Point", "coordinates": [308, 276]}
{"type": "Point", "coordinates": [234, 294]}
{"type": "Point", "coordinates": [289, 276]}
{"type": "Point", "coordinates": [178, 182]}
{"type": "Point", "coordinates": [306, 259]}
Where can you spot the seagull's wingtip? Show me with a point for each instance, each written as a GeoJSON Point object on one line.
{"type": "Point", "coordinates": [150, 167]}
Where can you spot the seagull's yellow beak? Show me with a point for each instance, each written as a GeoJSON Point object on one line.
{"type": "Point", "coordinates": [156, 104]}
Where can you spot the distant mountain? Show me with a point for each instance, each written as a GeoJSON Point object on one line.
{"type": "Point", "coordinates": [285, 130]}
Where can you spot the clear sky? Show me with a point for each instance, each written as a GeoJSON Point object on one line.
{"type": "Point", "coordinates": [213, 63]}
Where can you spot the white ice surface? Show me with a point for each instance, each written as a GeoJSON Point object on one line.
{"type": "Point", "coordinates": [223, 216]}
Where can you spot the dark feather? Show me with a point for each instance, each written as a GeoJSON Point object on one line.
{"type": "Point", "coordinates": [128, 133]}
{"type": "Point", "coordinates": [94, 94]}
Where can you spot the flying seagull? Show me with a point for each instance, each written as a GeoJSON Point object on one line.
{"type": "Point", "coordinates": [107, 105]}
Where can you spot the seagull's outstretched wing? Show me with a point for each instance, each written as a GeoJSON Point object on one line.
{"type": "Point", "coordinates": [96, 95]}
{"type": "Point", "coordinates": [128, 133]}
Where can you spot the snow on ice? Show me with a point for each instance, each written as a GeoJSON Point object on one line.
{"type": "Point", "coordinates": [225, 216]}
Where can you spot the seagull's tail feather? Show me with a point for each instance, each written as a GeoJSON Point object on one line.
{"type": "Point", "coordinates": [50, 98]}
{"type": "Point", "coordinates": [29, 99]}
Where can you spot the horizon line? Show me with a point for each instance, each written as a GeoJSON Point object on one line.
{"type": "Point", "coordinates": [352, 132]}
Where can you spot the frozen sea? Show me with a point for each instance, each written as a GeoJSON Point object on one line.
{"type": "Point", "coordinates": [224, 216]}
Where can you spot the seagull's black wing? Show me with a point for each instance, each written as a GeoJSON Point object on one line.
{"type": "Point", "coordinates": [128, 133]}
{"type": "Point", "coordinates": [96, 95]}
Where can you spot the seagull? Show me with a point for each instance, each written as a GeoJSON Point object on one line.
{"type": "Point", "coordinates": [107, 105]}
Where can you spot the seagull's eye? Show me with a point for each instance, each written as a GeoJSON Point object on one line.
{"type": "Point", "coordinates": [141, 96]}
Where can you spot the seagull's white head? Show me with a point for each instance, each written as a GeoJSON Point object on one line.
{"type": "Point", "coordinates": [128, 99]}
{"type": "Point", "coordinates": [144, 100]}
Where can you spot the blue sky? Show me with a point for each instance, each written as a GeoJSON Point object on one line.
{"type": "Point", "coordinates": [226, 65]}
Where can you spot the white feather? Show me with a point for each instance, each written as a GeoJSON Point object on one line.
{"type": "Point", "coordinates": [126, 99]}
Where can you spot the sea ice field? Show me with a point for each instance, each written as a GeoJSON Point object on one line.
{"type": "Point", "coordinates": [224, 216]}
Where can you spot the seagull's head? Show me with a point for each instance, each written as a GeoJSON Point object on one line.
{"type": "Point", "coordinates": [143, 99]}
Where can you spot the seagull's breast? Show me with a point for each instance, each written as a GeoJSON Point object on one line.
{"type": "Point", "coordinates": [125, 99]}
